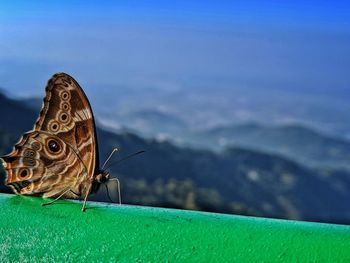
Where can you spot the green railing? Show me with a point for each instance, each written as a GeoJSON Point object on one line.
{"type": "Point", "coordinates": [112, 233]}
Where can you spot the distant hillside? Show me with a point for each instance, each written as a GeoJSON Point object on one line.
{"type": "Point", "coordinates": [16, 116]}
{"type": "Point", "coordinates": [33, 102]}
{"type": "Point", "coordinates": [264, 184]}
{"type": "Point", "coordinates": [235, 181]}
{"type": "Point", "coordinates": [293, 141]}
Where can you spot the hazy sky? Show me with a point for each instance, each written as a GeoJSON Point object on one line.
{"type": "Point", "coordinates": [302, 45]}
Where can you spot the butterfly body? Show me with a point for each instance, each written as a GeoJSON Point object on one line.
{"type": "Point", "coordinates": [59, 157]}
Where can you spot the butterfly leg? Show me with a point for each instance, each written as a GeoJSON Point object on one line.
{"type": "Point", "coordinates": [86, 197]}
{"type": "Point", "coordinates": [57, 198]}
{"type": "Point", "coordinates": [119, 194]}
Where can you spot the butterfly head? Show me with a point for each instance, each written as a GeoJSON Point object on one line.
{"type": "Point", "coordinates": [102, 177]}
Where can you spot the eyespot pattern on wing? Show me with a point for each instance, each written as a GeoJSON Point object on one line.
{"type": "Point", "coordinates": [45, 171]}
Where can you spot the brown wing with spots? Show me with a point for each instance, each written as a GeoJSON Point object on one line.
{"type": "Point", "coordinates": [61, 152]}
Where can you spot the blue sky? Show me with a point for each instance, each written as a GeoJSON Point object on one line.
{"type": "Point", "coordinates": [272, 44]}
{"type": "Point", "coordinates": [332, 15]}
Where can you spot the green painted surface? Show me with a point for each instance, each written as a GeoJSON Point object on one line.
{"type": "Point", "coordinates": [110, 233]}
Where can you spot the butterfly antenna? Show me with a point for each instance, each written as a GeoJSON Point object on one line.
{"type": "Point", "coordinates": [109, 157]}
{"type": "Point", "coordinates": [125, 158]}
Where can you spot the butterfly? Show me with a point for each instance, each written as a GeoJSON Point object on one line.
{"type": "Point", "coordinates": [59, 157]}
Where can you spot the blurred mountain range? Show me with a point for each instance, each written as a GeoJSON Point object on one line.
{"type": "Point", "coordinates": [296, 142]}
{"type": "Point", "coordinates": [284, 171]}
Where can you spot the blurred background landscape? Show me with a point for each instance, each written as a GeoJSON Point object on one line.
{"type": "Point", "coordinates": [241, 107]}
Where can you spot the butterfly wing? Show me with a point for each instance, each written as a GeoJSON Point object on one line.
{"type": "Point", "coordinates": [67, 113]}
{"type": "Point", "coordinates": [61, 151]}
